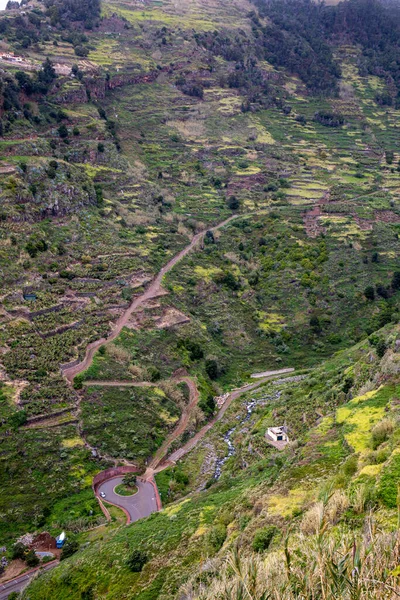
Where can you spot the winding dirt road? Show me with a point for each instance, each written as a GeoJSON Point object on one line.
{"type": "Point", "coordinates": [152, 291]}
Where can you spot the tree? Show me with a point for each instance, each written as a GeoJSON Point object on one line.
{"type": "Point", "coordinates": [207, 405]}
{"type": "Point", "coordinates": [212, 368]}
{"type": "Point", "coordinates": [209, 237]}
{"type": "Point", "coordinates": [389, 155]}
{"type": "Point", "coordinates": [18, 551]}
{"type": "Point", "coordinates": [315, 324]}
{"type": "Point", "coordinates": [375, 257]}
{"type": "Point", "coordinates": [369, 293]}
{"type": "Point", "coordinates": [263, 538]}
{"type": "Point", "coordinates": [136, 561]}
{"type": "Point", "coordinates": [63, 131]}
{"type": "Point", "coordinates": [69, 548]}
{"type": "Point", "coordinates": [233, 203]}
{"type": "Point", "coordinates": [47, 73]}
{"type": "Point", "coordinates": [396, 280]}
{"type": "Point", "coordinates": [25, 82]}
{"type": "Point", "coordinates": [382, 291]}
{"type": "Point", "coordinates": [32, 560]}
{"type": "Point", "coordinates": [130, 479]}
{"type": "Point", "coordinates": [381, 348]}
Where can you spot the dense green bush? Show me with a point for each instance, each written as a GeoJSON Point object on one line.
{"type": "Point", "coordinates": [217, 536]}
{"type": "Point", "coordinates": [136, 561]}
{"type": "Point", "coordinates": [69, 548]}
{"type": "Point", "coordinates": [263, 538]}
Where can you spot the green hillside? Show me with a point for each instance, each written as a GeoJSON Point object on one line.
{"type": "Point", "coordinates": [323, 506]}
{"type": "Point", "coordinates": [269, 130]}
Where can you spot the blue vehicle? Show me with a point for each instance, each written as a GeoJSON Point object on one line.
{"type": "Point", "coordinates": [60, 540]}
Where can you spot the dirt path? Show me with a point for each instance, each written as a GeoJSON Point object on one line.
{"type": "Point", "coordinates": [160, 455]}
{"type": "Point", "coordinates": [268, 373]}
{"type": "Point", "coordinates": [91, 383]}
{"type": "Point", "coordinates": [153, 290]}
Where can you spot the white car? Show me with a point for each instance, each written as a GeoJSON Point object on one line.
{"type": "Point", "coordinates": [102, 494]}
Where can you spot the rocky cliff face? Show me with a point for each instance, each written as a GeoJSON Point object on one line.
{"type": "Point", "coordinates": [95, 87]}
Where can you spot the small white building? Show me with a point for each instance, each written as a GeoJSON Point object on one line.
{"type": "Point", "coordinates": [278, 434]}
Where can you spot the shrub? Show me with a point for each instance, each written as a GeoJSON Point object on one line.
{"type": "Point", "coordinates": [369, 293]}
{"type": "Point", "coordinates": [69, 548]}
{"type": "Point", "coordinates": [207, 405]}
{"type": "Point", "coordinates": [396, 280]}
{"type": "Point", "coordinates": [63, 131]}
{"type": "Point", "coordinates": [381, 348]}
{"type": "Point", "coordinates": [136, 561]}
{"type": "Point", "coordinates": [130, 479]}
{"type": "Point", "coordinates": [381, 432]}
{"type": "Point", "coordinates": [31, 559]}
{"type": "Point", "coordinates": [212, 368]}
{"type": "Point", "coordinates": [234, 203]}
{"type": "Point", "coordinates": [17, 419]}
{"type": "Point", "coordinates": [78, 382]}
{"type": "Point", "coordinates": [263, 538]}
{"type": "Point", "coordinates": [217, 536]}
{"type": "Point", "coordinates": [351, 465]}
{"type": "Point", "coordinates": [18, 551]}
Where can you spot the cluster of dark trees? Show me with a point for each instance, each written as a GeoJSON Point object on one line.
{"type": "Point", "coordinates": [65, 12]}
{"type": "Point", "coordinates": [301, 35]}
{"type": "Point", "coordinates": [328, 119]}
{"type": "Point", "coordinates": [304, 32]}
{"type": "Point", "coordinates": [382, 291]}
{"type": "Point", "coordinates": [11, 88]}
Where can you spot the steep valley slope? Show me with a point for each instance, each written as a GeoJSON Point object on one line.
{"type": "Point", "coordinates": [128, 128]}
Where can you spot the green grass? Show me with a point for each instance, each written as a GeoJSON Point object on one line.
{"type": "Point", "coordinates": [125, 490]}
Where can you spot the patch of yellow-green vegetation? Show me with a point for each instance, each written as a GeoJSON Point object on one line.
{"type": "Point", "coordinates": [250, 170]}
{"type": "Point", "coordinates": [366, 396]}
{"type": "Point", "coordinates": [229, 105]}
{"type": "Point", "coordinates": [78, 471]}
{"type": "Point", "coordinates": [159, 392]}
{"type": "Point", "coordinates": [349, 178]}
{"type": "Point", "coordinates": [304, 193]}
{"type": "Point", "coordinates": [168, 418]}
{"type": "Point", "coordinates": [343, 227]}
{"type": "Point", "coordinates": [191, 129]}
{"type": "Point", "coordinates": [371, 470]}
{"type": "Point", "coordinates": [206, 273]}
{"type": "Point", "coordinates": [263, 136]}
{"type": "Point", "coordinates": [270, 322]}
{"type": "Point", "coordinates": [358, 417]}
{"type": "Point", "coordinates": [19, 323]}
{"type": "Point", "coordinates": [204, 519]}
{"type": "Point", "coordinates": [92, 171]}
{"type": "Point", "coordinates": [173, 20]}
{"type": "Point", "coordinates": [105, 52]}
{"type": "Point", "coordinates": [174, 509]}
{"type": "Point", "coordinates": [285, 505]}
{"type": "Point", "coordinates": [72, 442]}
{"type": "Point", "coordinates": [324, 426]}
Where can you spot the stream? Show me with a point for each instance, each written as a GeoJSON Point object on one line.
{"type": "Point", "coordinates": [228, 435]}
